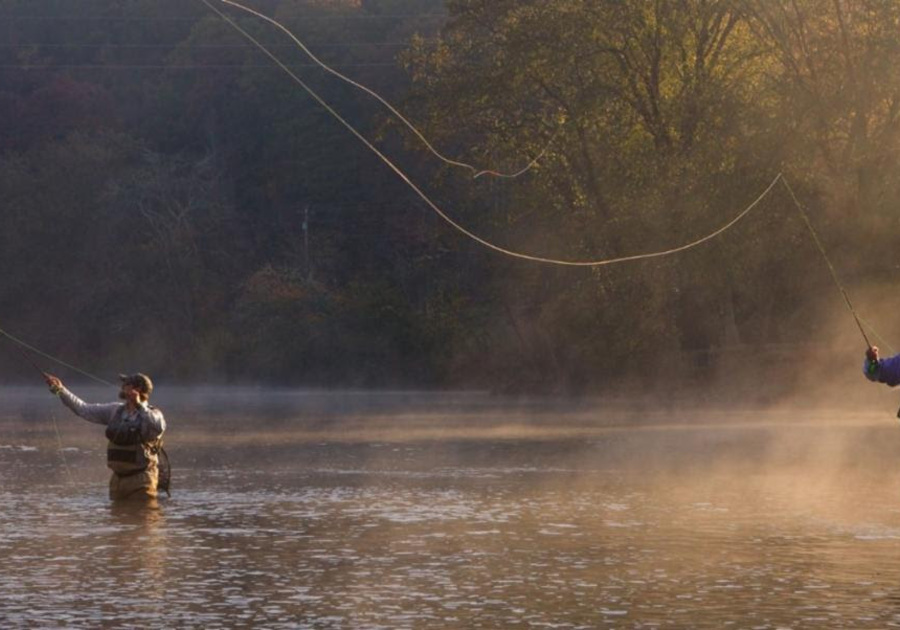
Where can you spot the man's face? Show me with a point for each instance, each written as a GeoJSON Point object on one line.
{"type": "Point", "coordinates": [129, 393]}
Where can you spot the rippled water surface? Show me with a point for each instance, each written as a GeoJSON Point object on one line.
{"type": "Point", "coordinates": [300, 510]}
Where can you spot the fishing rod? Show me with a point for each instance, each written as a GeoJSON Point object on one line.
{"type": "Point", "coordinates": [21, 346]}
{"type": "Point", "coordinates": [821, 248]}
{"type": "Point", "coordinates": [834, 276]}
{"type": "Point", "coordinates": [30, 361]}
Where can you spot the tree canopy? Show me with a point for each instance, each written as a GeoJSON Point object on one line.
{"type": "Point", "coordinates": [173, 202]}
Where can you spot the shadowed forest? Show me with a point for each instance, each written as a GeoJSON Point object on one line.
{"type": "Point", "coordinates": [172, 202]}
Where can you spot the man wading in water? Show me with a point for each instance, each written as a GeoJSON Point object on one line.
{"type": "Point", "coordinates": [134, 430]}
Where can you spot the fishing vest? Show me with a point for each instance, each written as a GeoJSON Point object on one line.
{"type": "Point", "coordinates": [126, 452]}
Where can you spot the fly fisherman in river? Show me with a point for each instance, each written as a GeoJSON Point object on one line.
{"type": "Point", "coordinates": [134, 430]}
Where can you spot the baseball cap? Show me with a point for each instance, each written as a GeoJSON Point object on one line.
{"type": "Point", "coordinates": [140, 382]}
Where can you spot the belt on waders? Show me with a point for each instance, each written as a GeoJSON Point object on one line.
{"type": "Point", "coordinates": [126, 460]}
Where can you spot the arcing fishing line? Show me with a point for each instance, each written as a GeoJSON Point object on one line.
{"type": "Point", "coordinates": [476, 172]}
{"type": "Point", "coordinates": [461, 229]}
{"type": "Point", "coordinates": [450, 221]}
{"type": "Point", "coordinates": [22, 344]}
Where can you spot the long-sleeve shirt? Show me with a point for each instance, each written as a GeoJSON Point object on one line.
{"type": "Point", "coordinates": [151, 420]}
{"type": "Point", "coordinates": [885, 371]}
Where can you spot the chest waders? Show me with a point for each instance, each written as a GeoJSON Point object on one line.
{"type": "Point", "coordinates": [127, 454]}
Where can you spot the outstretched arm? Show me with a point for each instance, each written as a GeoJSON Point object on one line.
{"type": "Point", "coordinates": [885, 371]}
{"type": "Point", "coordinates": [99, 413]}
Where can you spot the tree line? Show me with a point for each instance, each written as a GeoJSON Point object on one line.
{"type": "Point", "coordinates": [173, 202]}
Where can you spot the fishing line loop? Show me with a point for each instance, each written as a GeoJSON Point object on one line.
{"type": "Point", "coordinates": [443, 215]}
{"type": "Point", "coordinates": [476, 173]}
{"type": "Point", "coordinates": [484, 242]}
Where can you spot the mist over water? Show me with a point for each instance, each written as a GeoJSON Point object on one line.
{"type": "Point", "coordinates": [300, 509]}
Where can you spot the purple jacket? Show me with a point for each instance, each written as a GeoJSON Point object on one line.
{"type": "Point", "coordinates": [885, 371]}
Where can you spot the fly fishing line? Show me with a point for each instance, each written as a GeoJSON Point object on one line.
{"type": "Point", "coordinates": [22, 345]}
{"type": "Point", "coordinates": [444, 216]}
{"type": "Point", "coordinates": [409, 125]}
{"type": "Point", "coordinates": [473, 236]}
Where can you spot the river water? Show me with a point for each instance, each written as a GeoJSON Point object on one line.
{"type": "Point", "coordinates": [356, 510]}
